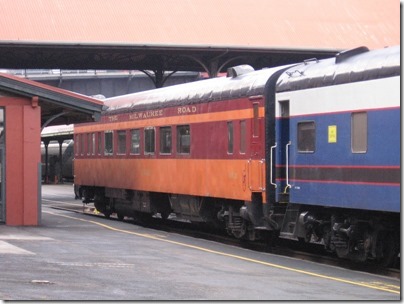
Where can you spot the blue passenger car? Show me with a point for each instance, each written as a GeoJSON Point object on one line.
{"type": "Point", "coordinates": [338, 149]}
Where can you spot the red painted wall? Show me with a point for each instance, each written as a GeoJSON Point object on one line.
{"type": "Point", "coordinates": [22, 123]}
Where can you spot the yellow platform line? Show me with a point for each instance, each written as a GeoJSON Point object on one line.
{"type": "Point", "coordinates": [362, 284]}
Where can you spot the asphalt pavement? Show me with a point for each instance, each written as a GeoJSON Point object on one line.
{"type": "Point", "coordinates": [74, 256]}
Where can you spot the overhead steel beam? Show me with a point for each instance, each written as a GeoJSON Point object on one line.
{"type": "Point", "coordinates": [148, 57]}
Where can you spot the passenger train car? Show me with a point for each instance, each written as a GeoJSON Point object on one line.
{"type": "Point", "coordinates": [53, 160]}
{"type": "Point", "coordinates": [309, 151]}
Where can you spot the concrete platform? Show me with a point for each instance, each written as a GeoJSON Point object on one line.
{"type": "Point", "coordinates": [74, 256]}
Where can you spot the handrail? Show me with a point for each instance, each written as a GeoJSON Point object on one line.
{"type": "Point", "coordinates": [271, 167]}
{"type": "Point", "coordinates": [262, 171]}
{"type": "Point", "coordinates": [287, 164]}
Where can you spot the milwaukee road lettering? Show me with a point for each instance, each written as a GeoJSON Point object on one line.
{"type": "Point", "coordinates": [186, 110]}
{"type": "Point", "coordinates": [160, 113]}
{"type": "Point", "coordinates": [146, 114]}
{"type": "Point", "coordinates": [155, 114]}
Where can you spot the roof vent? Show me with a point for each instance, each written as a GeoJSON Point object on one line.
{"type": "Point", "coordinates": [344, 55]}
{"type": "Point", "coordinates": [239, 70]}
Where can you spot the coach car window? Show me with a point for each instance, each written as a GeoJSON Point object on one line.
{"type": "Point", "coordinates": [359, 132]}
{"type": "Point", "coordinates": [99, 144]}
{"type": "Point", "coordinates": [306, 137]}
{"type": "Point", "coordinates": [230, 137]}
{"type": "Point", "coordinates": [82, 144]}
{"type": "Point", "coordinates": [255, 120]}
{"type": "Point", "coordinates": [77, 144]}
{"type": "Point", "coordinates": [135, 142]}
{"type": "Point", "coordinates": [108, 143]}
{"type": "Point", "coordinates": [93, 144]}
{"type": "Point", "coordinates": [165, 140]}
{"type": "Point", "coordinates": [243, 134]}
{"type": "Point", "coordinates": [183, 139]}
{"type": "Point", "coordinates": [89, 144]}
{"type": "Point", "coordinates": [121, 142]}
{"type": "Point", "coordinates": [149, 140]}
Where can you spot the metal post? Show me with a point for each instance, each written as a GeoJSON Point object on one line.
{"type": "Point", "coordinates": [60, 180]}
{"type": "Point", "coordinates": [46, 143]}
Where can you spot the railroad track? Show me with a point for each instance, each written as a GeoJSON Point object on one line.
{"type": "Point", "coordinates": [314, 252]}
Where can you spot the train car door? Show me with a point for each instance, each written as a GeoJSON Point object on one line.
{"type": "Point", "coordinates": [2, 170]}
{"type": "Point", "coordinates": [282, 149]}
{"type": "Point", "coordinates": [2, 187]}
{"type": "Point", "coordinates": [256, 163]}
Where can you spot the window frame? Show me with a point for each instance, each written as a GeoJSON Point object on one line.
{"type": "Point", "coordinates": [179, 146]}
{"type": "Point", "coordinates": [107, 153]}
{"type": "Point", "coordinates": [139, 142]}
{"type": "Point", "coordinates": [359, 133]}
{"type": "Point", "coordinates": [89, 144]}
{"type": "Point", "coordinates": [93, 144]}
{"type": "Point", "coordinates": [255, 120]}
{"type": "Point", "coordinates": [83, 144]}
{"type": "Point", "coordinates": [146, 137]}
{"type": "Point", "coordinates": [99, 144]}
{"type": "Point", "coordinates": [230, 137]}
{"type": "Point", "coordinates": [243, 137]}
{"type": "Point", "coordinates": [77, 144]}
{"type": "Point", "coordinates": [163, 138]}
{"type": "Point", "coordinates": [313, 140]}
{"type": "Point", "coordinates": [120, 141]}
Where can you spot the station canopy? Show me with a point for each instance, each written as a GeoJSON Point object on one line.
{"type": "Point", "coordinates": [197, 35]}
{"type": "Point", "coordinates": [58, 106]}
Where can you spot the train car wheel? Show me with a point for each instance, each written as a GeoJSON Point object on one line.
{"type": "Point", "coordinates": [164, 215]}
{"type": "Point", "coordinates": [387, 249]}
{"type": "Point", "coordinates": [271, 239]}
{"type": "Point", "coordinates": [77, 192]}
{"type": "Point", "coordinates": [142, 217]}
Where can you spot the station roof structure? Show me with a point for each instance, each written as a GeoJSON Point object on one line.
{"type": "Point", "coordinates": [197, 35]}
{"type": "Point", "coordinates": [58, 106]}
